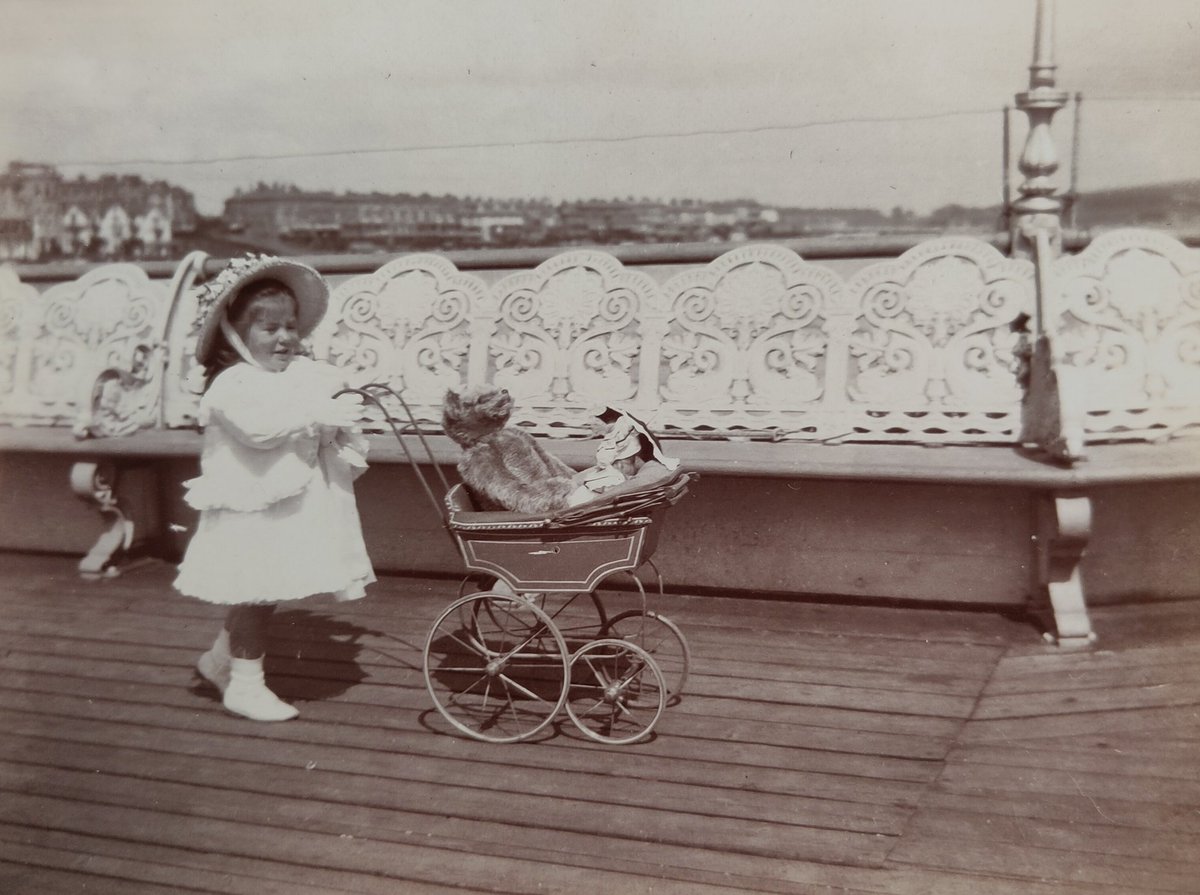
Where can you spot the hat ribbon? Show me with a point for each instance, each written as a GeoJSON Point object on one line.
{"type": "Point", "coordinates": [231, 336]}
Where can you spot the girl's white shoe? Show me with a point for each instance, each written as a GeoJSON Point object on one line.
{"type": "Point", "coordinates": [214, 664]}
{"type": "Point", "coordinates": [247, 694]}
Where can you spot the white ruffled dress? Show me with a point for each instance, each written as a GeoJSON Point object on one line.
{"type": "Point", "coordinates": [278, 517]}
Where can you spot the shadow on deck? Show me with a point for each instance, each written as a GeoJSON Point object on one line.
{"type": "Point", "coordinates": [818, 748]}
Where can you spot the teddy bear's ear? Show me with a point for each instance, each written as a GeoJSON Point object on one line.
{"type": "Point", "coordinates": [451, 398]}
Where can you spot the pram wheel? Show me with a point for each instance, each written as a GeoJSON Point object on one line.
{"type": "Point", "coordinates": [617, 692]}
{"type": "Point", "coordinates": [503, 618]}
{"type": "Point", "coordinates": [496, 667]}
{"type": "Point", "coordinates": [661, 638]}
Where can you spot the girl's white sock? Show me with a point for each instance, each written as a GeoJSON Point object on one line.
{"type": "Point", "coordinates": [247, 694]}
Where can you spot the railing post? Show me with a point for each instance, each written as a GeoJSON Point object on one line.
{"type": "Point", "coordinates": [1052, 408]}
{"type": "Point", "coordinates": [1038, 208]}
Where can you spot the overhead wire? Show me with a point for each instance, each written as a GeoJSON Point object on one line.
{"type": "Point", "coordinates": [593, 138]}
{"type": "Point", "coordinates": [545, 141]}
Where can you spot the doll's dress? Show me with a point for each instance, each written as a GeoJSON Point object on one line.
{"type": "Point", "coordinates": [278, 517]}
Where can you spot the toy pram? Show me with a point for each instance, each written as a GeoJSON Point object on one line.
{"type": "Point", "coordinates": [502, 663]}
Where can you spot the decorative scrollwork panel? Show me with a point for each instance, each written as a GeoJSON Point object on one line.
{"type": "Point", "coordinates": [747, 344]}
{"type": "Point", "coordinates": [938, 349]}
{"type": "Point", "coordinates": [1126, 315]}
{"type": "Point", "coordinates": [111, 318]}
{"type": "Point", "coordinates": [18, 301]}
{"type": "Point", "coordinates": [409, 325]}
{"type": "Point", "coordinates": [568, 336]}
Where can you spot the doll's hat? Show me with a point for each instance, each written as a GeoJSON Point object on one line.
{"type": "Point", "coordinates": [613, 415]}
{"type": "Point", "coordinates": [309, 287]}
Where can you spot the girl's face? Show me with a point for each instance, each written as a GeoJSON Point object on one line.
{"type": "Point", "coordinates": [270, 331]}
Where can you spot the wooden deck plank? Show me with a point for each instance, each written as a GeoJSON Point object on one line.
{"type": "Point", "coordinates": [452, 785]}
{"type": "Point", "coordinates": [33, 870]}
{"type": "Point", "coordinates": [1134, 761]}
{"type": "Point", "coordinates": [238, 874]}
{"type": "Point", "coordinates": [405, 857]}
{"type": "Point", "coordinates": [758, 875]}
{"type": "Point", "coordinates": [1142, 745]}
{"type": "Point", "coordinates": [1055, 665]}
{"type": "Point", "coordinates": [341, 702]}
{"type": "Point", "coordinates": [819, 748]}
{"type": "Point", "coordinates": [1091, 701]}
{"type": "Point", "coordinates": [1063, 807]}
{"type": "Point", "coordinates": [781, 651]}
{"type": "Point", "coordinates": [361, 749]}
{"type": "Point", "coordinates": [138, 869]}
{"type": "Point", "coordinates": [933, 744]}
{"type": "Point", "coordinates": [1098, 786]}
{"type": "Point", "coordinates": [822, 706]}
{"type": "Point", "coordinates": [874, 709]}
{"type": "Point", "coordinates": [1180, 721]}
{"type": "Point", "coordinates": [731, 873]}
{"type": "Point", "coordinates": [795, 693]}
{"type": "Point", "coordinates": [1118, 875]}
{"type": "Point", "coordinates": [401, 731]}
{"type": "Point", "coordinates": [1156, 849]}
{"type": "Point", "coordinates": [278, 816]}
{"type": "Point", "coordinates": [1181, 670]}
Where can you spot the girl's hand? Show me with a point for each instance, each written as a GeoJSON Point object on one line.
{"type": "Point", "coordinates": [340, 412]}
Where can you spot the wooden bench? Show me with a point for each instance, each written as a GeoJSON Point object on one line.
{"type": "Point", "coordinates": [914, 372]}
{"type": "Point", "coordinates": [1059, 531]}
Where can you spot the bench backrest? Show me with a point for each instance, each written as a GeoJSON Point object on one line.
{"type": "Point", "coordinates": [927, 348]}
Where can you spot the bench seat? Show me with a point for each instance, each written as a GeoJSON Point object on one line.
{"type": "Point", "coordinates": [1115, 463]}
{"type": "Point", "coordinates": [1057, 530]}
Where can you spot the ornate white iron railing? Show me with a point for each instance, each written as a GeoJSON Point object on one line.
{"type": "Point", "coordinates": [928, 348]}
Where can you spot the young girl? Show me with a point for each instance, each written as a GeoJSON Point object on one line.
{"type": "Point", "coordinates": [278, 519]}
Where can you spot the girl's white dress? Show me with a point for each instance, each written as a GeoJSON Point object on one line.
{"type": "Point", "coordinates": [278, 518]}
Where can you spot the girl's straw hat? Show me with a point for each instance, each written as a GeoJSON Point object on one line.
{"type": "Point", "coordinates": [309, 287]}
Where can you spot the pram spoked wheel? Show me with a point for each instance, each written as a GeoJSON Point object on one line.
{"type": "Point", "coordinates": [617, 692]}
{"type": "Point", "coordinates": [661, 638]}
{"type": "Point", "coordinates": [496, 667]}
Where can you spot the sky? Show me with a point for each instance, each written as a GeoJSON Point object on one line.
{"type": "Point", "coordinates": [569, 99]}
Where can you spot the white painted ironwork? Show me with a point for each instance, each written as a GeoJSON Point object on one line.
{"type": "Point", "coordinates": [936, 350]}
{"type": "Point", "coordinates": [410, 325]}
{"type": "Point", "coordinates": [746, 346]}
{"type": "Point", "coordinates": [1127, 315]}
{"type": "Point", "coordinates": [18, 303]}
{"type": "Point", "coordinates": [928, 348]}
{"type": "Point", "coordinates": [110, 317]}
{"type": "Point", "coordinates": [569, 335]}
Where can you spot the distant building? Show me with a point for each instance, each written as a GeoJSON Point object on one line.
{"type": "Point", "coordinates": [44, 216]}
{"type": "Point", "coordinates": [797, 222]}
{"type": "Point", "coordinates": [28, 211]}
{"type": "Point", "coordinates": [285, 215]}
{"type": "Point", "coordinates": [282, 217]}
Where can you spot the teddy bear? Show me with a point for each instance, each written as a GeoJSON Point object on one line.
{"type": "Point", "coordinates": [502, 467]}
{"type": "Point", "coordinates": [505, 468]}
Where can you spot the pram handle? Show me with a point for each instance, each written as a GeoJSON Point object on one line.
{"type": "Point", "coordinates": [367, 393]}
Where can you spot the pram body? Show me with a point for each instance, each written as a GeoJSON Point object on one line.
{"type": "Point", "coordinates": [499, 663]}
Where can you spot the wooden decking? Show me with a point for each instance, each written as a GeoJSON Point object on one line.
{"type": "Point", "coordinates": [819, 748]}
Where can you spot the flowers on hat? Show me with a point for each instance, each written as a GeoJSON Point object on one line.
{"type": "Point", "coordinates": [230, 274]}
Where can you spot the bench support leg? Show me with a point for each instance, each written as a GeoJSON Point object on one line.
{"type": "Point", "coordinates": [95, 483]}
{"type": "Point", "coordinates": [1064, 525]}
